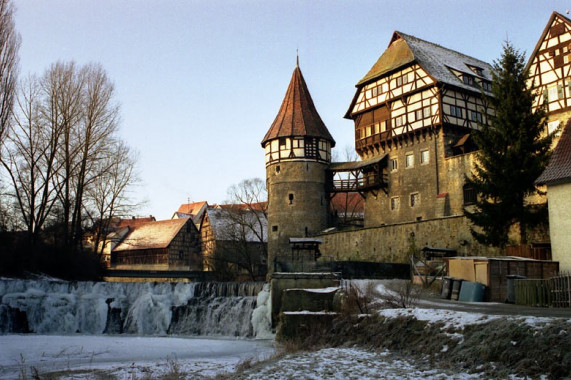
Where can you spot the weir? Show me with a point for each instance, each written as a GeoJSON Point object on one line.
{"type": "Point", "coordinates": [59, 307]}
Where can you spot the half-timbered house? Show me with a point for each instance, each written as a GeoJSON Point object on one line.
{"type": "Point", "coordinates": [413, 112]}
{"type": "Point", "coordinates": [159, 245]}
{"type": "Point", "coordinates": [549, 68]}
{"type": "Point", "coordinates": [234, 241]}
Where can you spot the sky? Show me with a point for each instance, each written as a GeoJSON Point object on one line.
{"type": "Point", "coordinates": [200, 82]}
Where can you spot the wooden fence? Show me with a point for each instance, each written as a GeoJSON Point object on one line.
{"type": "Point", "coordinates": [553, 292]}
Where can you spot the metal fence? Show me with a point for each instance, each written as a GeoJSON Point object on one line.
{"type": "Point", "coordinates": [552, 292]}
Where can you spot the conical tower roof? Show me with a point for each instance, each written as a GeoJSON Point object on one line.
{"type": "Point", "coordinates": [298, 116]}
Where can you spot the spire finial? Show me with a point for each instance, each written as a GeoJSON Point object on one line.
{"type": "Point", "coordinates": [297, 57]}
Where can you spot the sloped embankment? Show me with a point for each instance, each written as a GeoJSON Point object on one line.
{"type": "Point", "coordinates": [494, 348]}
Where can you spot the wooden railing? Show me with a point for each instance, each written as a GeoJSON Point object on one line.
{"type": "Point", "coordinates": [356, 184]}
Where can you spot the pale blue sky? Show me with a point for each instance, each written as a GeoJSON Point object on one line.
{"type": "Point", "coordinates": [200, 82]}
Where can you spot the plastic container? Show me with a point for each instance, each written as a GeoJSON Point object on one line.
{"type": "Point", "coordinates": [472, 292]}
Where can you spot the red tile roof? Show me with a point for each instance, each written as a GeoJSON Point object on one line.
{"type": "Point", "coordinates": [191, 208]}
{"type": "Point", "coordinates": [559, 168]}
{"type": "Point", "coordinates": [297, 115]}
{"type": "Point", "coordinates": [151, 235]}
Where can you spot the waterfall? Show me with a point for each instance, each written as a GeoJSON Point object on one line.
{"type": "Point", "coordinates": [143, 308]}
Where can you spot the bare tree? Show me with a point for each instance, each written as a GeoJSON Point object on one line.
{"type": "Point", "coordinates": [245, 229]}
{"type": "Point", "coordinates": [63, 151]}
{"type": "Point", "coordinates": [9, 45]}
{"type": "Point", "coordinates": [29, 159]}
{"type": "Point", "coordinates": [108, 195]}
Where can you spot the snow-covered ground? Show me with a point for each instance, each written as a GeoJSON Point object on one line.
{"type": "Point", "coordinates": [124, 357]}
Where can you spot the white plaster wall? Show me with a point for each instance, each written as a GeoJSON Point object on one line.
{"type": "Point", "coordinates": [560, 224]}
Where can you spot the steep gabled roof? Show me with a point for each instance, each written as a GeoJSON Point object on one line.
{"type": "Point", "coordinates": [151, 235]}
{"type": "Point", "coordinates": [435, 59]}
{"type": "Point", "coordinates": [297, 115]}
{"type": "Point", "coordinates": [192, 208]}
{"type": "Point", "coordinates": [554, 15]}
{"type": "Point", "coordinates": [558, 170]}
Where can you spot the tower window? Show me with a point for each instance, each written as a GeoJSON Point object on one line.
{"type": "Point", "coordinates": [424, 157]}
{"type": "Point", "coordinates": [274, 228]}
{"type": "Point", "coordinates": [290, 197]}
{"type": "Point", "coordinates": [414, 199]}
{"type": "Point", "coordinates": [394, 164]}
{"type": "Point", "coordinates": [409, 162]}
{"type": "Point", "coordinates": [395, 202]}
{"type": "Point", "coordinates": [278, 169]}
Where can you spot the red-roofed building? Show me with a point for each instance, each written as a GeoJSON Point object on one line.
{"type": "Point", "coordinates": [193, 210]}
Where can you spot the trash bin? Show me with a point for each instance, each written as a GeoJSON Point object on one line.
{"type": "Point", "coordinates": [511, 286]}
{"type": "Point", "coordinates": [456, 285]}
{"type": "Point", "coordinates": [446, 287]}
{"type": "Point", "coordinates": [472, 292]}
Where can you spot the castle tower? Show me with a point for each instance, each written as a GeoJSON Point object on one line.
{"type": "Point", "coordinates": [297, 153]}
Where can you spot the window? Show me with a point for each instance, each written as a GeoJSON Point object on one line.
{"type": "Point", "coordinates": [405, 79]}
{"type": "Point", "coordinates": [399, 121]}
{"type": "Point", "coordinates": [290, 197]}
{"type": "Point", "coordinates": [552, 93]}
{"type": "Point", "coordinates": [374, 91]}
{"type": "Point", "coordinates": [456, 111]}
{"type": "Point", "coordinates": [394, 165]}
{"type": "Point", "coordinates": [468, 79]}
{"type": "Point", "coordinates": [424, 157]}
{"type": "Point", "coordinates": [409, 160]}
{"type": "Point", "coordinates": [469, 195]}
{"type": "Point", "coordinates": [427, 111]}
{"type": "Point", "coordinates": [418, 114]}
{"type": "Point", "coordinates": [399, 81]}
{"type": "Point", "coordinates": [376, 128]}
{"type": "Point", "coordinates": [486, 86]}
{"type": "Point", "coordinates": [278, 168]}
{"type": "Point", "coordinates": [282, 142]}
{"type": "Point", "coordinates": [383, 126]}
{"type": "Point", "coordinates": [395, 203]}
{"type": "Point", "coordinates": [476, 116]}
{"type": "Point", "coordinates": [368, 131]}
{"type": "Point", "coordinates": [274, 228]}
{"type": "Point", "coordinates": [414, 199]}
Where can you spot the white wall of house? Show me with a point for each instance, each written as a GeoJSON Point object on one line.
{"type": "Point", "coordinates": [560, 224]}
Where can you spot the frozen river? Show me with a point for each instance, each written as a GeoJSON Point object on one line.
{"type": "Point", "coordinates": [124, 356]}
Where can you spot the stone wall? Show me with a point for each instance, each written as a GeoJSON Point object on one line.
{"type": "Point", "coordinates": [392, 243]}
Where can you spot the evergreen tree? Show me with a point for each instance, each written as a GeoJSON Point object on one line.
{"type": "Point", "coordinates": [513, 151]}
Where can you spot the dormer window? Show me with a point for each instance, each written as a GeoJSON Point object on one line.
{"type": "Point", "coordinates": [468, 79]}
{"type": "Point", "coordinates": [477, 70]}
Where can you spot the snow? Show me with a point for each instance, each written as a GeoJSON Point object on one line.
{"type": "Point", "coordinates": [125, 356]}
{"type": "Point", "coordinates": [350, 363]}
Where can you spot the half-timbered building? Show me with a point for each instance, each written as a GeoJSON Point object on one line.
{"type": "Point", "coordinates": [549, 68]}
{"type": "Point", "coordinates": [413, 112]}
{"type": "Point", "coordinates": [159, 245]}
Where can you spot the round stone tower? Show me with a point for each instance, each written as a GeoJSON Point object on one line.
{"type": "Point", "coordinates": [297, 153]}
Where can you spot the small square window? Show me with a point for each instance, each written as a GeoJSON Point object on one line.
{"type": "Point", "coordinates": [426, 111]}
{"type": "Point", "coordinates": [274, 228]}
{"type": "Point", "coordinates": [414, 199]}
{"type": "Point", "coordinates": [394, 164]}
{"type": "Point", "coordinates": [409, 160]}
{"type": "Point", "coordinates": [424, 157]}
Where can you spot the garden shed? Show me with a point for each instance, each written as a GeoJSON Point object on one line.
{"type": "Point", "coordinates": [494, 271]}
